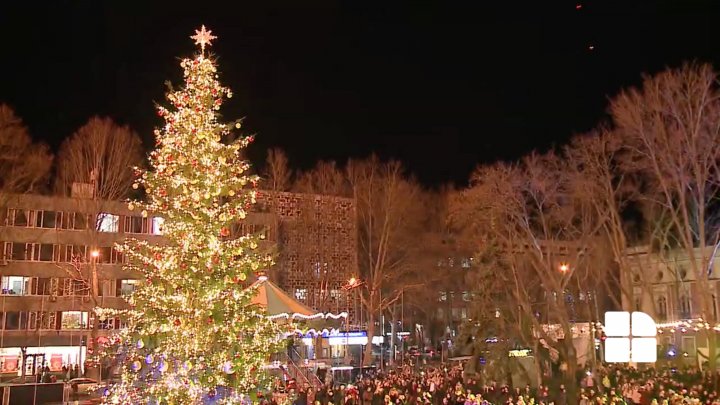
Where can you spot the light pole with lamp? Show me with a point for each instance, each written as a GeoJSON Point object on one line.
{"type": "Point", "coordinates": [564, 269]}
{"type": "Point", "coordinates": [351, 284]}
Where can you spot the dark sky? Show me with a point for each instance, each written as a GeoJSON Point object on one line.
{"type": "Point", "coordinates": [440, 85]}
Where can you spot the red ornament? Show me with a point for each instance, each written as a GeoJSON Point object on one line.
{"type": "Point", "coordinates": [224, 232]}
{"type": "Point", "coordinates": [209, 320]}
{"type": "Point", "coordinates": [177, 322]}
{"type": "Point", "coordinates": [158, 256]}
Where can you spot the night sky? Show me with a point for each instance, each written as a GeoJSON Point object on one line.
{"type": "Point", "coordinates": [440, 85]}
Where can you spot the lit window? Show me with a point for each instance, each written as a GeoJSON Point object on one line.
{"type": "Point", "coordinates": [335, 294]}
{"type": "Point", "coordinates": [107, 222]}
{"type": "Point", "coordinates": [157, 225]}
{"type": "Point", "coordinates": [127, 286]}
{"type": "Point", "coordinates": [74, 320]}
{"type": "Point", "coordinates": [443, 296]}
{"type": "Point", "coordinates": [301, 293]}
{"type": "Point", "coordinates": [15, 285]}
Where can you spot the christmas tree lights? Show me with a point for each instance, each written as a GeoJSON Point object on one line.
{"type": "Point", "coordinates": [192, 329]}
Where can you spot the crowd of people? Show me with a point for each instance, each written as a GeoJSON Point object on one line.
{"type": "Point", "coordinates": [441, 386]}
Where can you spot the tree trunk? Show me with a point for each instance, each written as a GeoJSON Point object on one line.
{"type": "Point", "coordinates": [712, 351]}
{"type": "Point", "coordinates": [536, 361]}
{"type": "Point", "coordinates": [368, 357]}
{"type": "Point", "coordinates": [393, 335]}
{"type": "Point", "coordinates": [23, 360]}
{"type": "Point", "coordinates": [95, 371]}
{"type": "Point", "coordinates": [570, 379]}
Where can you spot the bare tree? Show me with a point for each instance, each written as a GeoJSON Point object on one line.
{"type": "Point", "coordinates": [101, 154]}
{"type": "Point", "coordinates": [96, 165]}
{"type": "Point", "coordinates": [278, 175]}
{"type": "Point", "coordinates": [326, 178]}
{"type": "Point", "coordinates": [390, 213]}
{"type": "Point", "coordinates": [543, 235]}
{"type": "Point", "coordinates": [24, 165]}
{"type": "Point", "coordinates": [672, 126]}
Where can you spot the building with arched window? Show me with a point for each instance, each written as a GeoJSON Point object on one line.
{"type": "Point", "coordinates": [666, 287]}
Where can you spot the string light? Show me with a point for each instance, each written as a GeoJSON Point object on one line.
{"type": "Point", "coordinates": [192, 327]}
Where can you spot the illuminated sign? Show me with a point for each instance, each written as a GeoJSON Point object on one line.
{"type": "Point", "coordinates": [519, 353]}
{"type": "Point", "coordinates": [348, 338]}
{"type": "Point", "coordinates": [630, 339]}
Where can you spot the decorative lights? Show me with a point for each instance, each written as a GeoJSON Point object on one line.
{"type": "Point", "coordinates": [192, 327]}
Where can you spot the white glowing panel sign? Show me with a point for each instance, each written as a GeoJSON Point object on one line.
{"type": "Point", "coordinates": [630, 340]}
{"type": "Point", "coordinates": [348, 338]}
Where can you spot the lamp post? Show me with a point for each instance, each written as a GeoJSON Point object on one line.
{"type": "Point", "coordinates": [351, 284]}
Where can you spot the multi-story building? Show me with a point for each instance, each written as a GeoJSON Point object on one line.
{"type": "Point", "coordinates": [52, 249]}
{"type": "Point", "coordinates": [665, 287]}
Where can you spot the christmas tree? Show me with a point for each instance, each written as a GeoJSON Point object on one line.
{"type": "Point", "coordinates": [192, 330]}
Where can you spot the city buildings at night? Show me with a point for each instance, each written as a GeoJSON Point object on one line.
{"type": "Point", "coordinates": [51, 247]}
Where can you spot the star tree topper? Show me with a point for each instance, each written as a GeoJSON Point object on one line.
{"type": "Point", "coordinates": [203, 37]}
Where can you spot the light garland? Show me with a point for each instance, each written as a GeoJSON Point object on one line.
{"type": "Point", "coordinates": [683, 326]}
{"type": "Point", "coordinates": [297, 315]}
{"type": "Point", "coordinates": [192, 328]}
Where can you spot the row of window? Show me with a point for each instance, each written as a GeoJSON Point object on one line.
{"type": "Point", "coordinates": [58, 253]}
{"type": "Point", "coordinates": [102, 222]}
{"type": "Point", "coordinates": [452, 262]}
{"type": "Point", "coordinates": [56, 286]}
{"type": "Point", "coordinates": [662, 308]}
{"type": "Point", "coordinates": [52, 320]}
{"type": "Point", "coordinates": [455, 313]}
{"type": "Point", "coordinates": [105, 222]}
{"type": "Point", "coordinates": [301, 294]}
{"type": "Point", "coordinates": [444, 295]}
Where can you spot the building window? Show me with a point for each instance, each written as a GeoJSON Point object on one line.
{"type": "Point", "coordinates": [638, 304]}
{"type": "Point", "coordinates": [157, 225]}
{"type": "Point", "coordinates": [42, 286]}
{"type": "Point", "coordinates": [72, 287]}
{"type": "Point", "coordinates": [13, 320]}
{"type": "Point", "coordinates": [107, 288]}
{"type": "Point", "coordinates": [687, 344]}
{"type": "Point", "coordinates": [42, 320]}
{"type": "Point", "coordinates": [74, 320]}
{"type": "Point", "coordinates": [127, 286]}
{"type": "Point", "coordinates": [17, 217]}
{"type": "Point", "coordinates": [107, 222]}
{"type": "Point", "coordinates": [685, 308]}
{"type": "Point", "coordinates": [135, 224]}
{"type": "Point", "coordinates": [46, 253]}
{"type": "Point", "coordinates": [16, 285]}
{"type": "Point", "coordinates": [662, 308]}
{"type": "Point", "coordinates": [301, 294]}
{"type": "Point", "coordinates": [108, 323]}
{"type": "Point", "coordinates": [335, 294]}
{"type": "Point", "coordinates": [466, 296]}
{"type": "Point", "coordinates": [49, 219]}
{"type": "Point", "coordinates": [443, 296]}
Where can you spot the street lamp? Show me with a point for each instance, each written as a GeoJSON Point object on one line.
{"type": "Point", "coordinates": [95, 253]}
{"type": "Point", "coordinates": [564, 268]}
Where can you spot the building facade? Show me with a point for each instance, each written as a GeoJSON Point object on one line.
{"type": "Point", "coordinates": [58, 262]}
{"type": "Point", "coordinates": [316, 238]}
{"type": "Point", "coordinates": [665, 287]}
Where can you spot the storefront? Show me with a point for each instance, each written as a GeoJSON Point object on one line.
{"type": "Point", "coordinates": [54, 356]}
